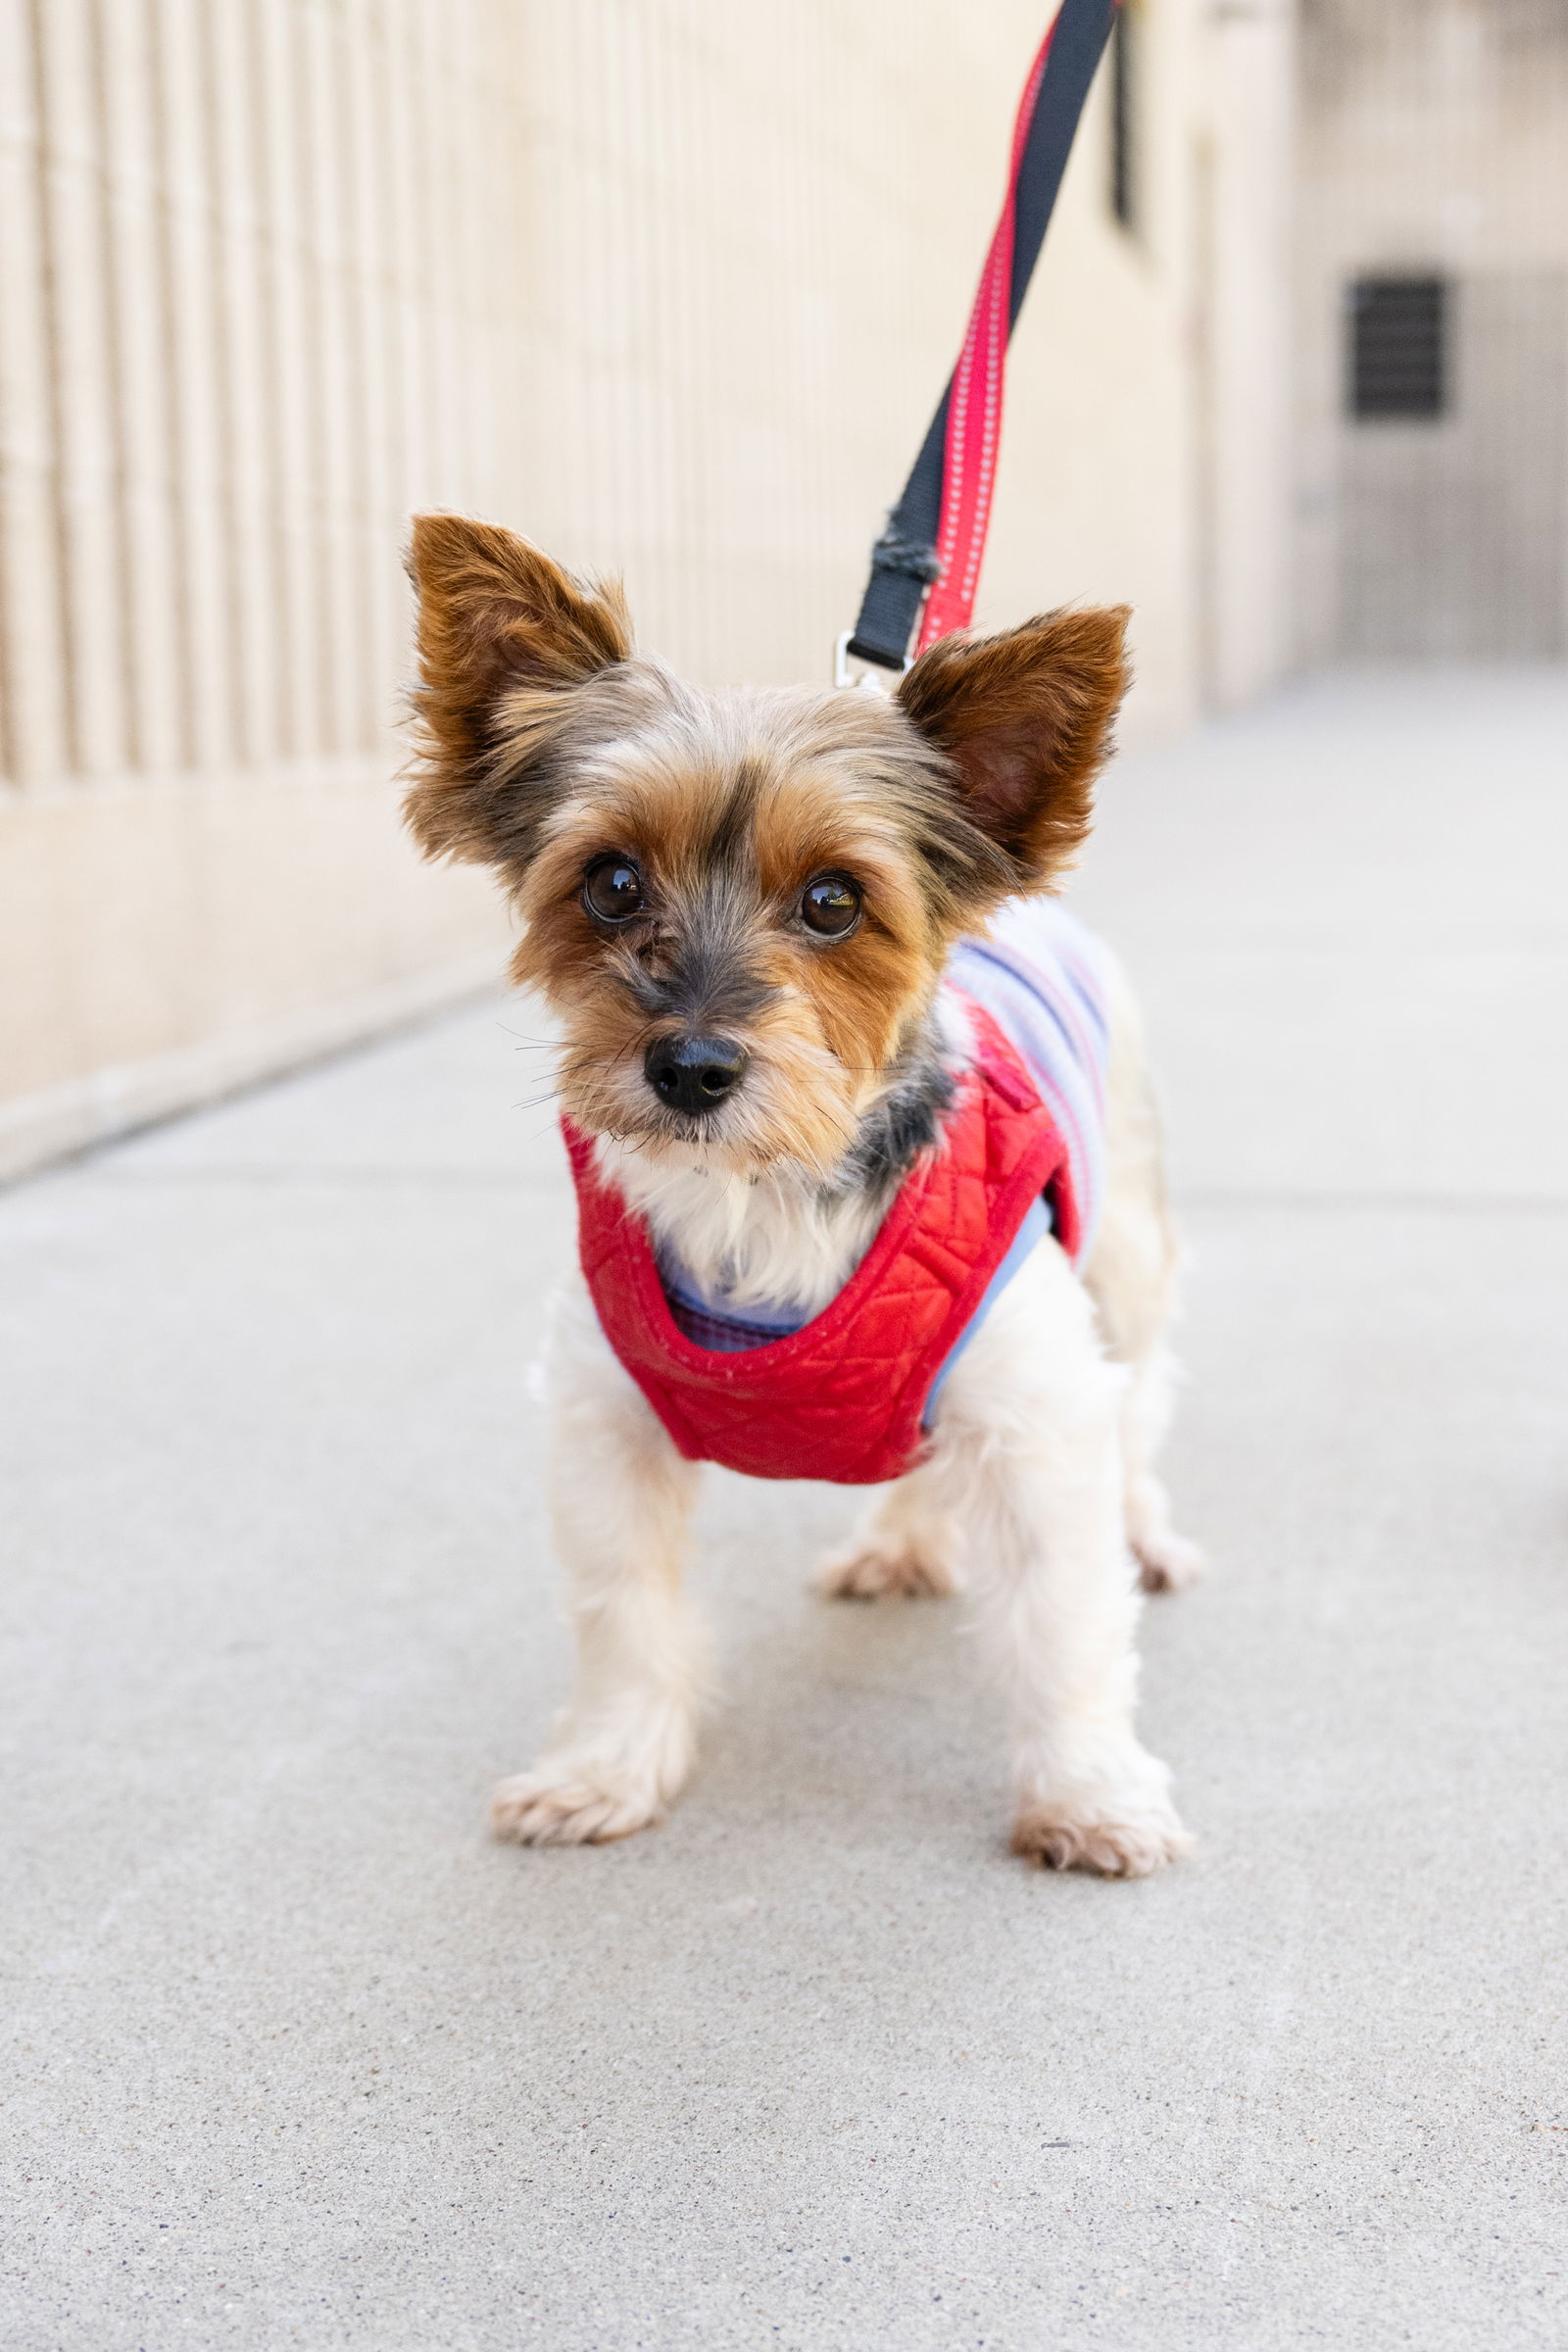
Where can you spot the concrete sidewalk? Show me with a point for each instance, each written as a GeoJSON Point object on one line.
{"type": "Point", "coordinates": [298, 2058]}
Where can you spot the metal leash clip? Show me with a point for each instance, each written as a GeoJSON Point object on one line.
{"type": "Point", "coordinates": [848, 669]}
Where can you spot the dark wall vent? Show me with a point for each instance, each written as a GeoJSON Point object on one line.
{"type": "Point", "coordinates": [1398, 356]}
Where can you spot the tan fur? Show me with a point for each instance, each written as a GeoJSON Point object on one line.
{"type": "Point", "coordinates": [820, 1048]}
{"type": "Point", "coordinates": [503, 636]}
{"type": "Point", "coordinates": [544, 743]}
{"type": "Point", "coordinates": [1033, 703]}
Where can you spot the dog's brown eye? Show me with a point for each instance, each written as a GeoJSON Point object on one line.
{"type": "Point", "coordinates": [831, 905]}
{"type": "Point", "coordinates": [613, 889]}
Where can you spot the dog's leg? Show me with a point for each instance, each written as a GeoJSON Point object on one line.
{"type": "Point", "coordinates": [1168, 1562]}
{"type": "Point", "coordinates": [1132, 1279]}
{"type": "Point", "coordinates": [905, 1544]}
{"type": "Point", "coordinates": [1028, 1449]}
{"type": "Point", "coordinates": [619, 1499]}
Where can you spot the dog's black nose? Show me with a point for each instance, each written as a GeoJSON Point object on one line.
{"type": "Point", "coordinates": [694, 1073]}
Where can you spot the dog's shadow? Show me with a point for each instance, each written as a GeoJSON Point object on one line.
{"type": "Point", "coordinates": [876, 1713]}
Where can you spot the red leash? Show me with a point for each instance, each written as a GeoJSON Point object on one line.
{"type": "Point", "coordinates": [936, 535]}
{"type": "Point", "coordinates": [975, 407]}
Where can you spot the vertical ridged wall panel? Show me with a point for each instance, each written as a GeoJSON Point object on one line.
{"type": "Point", "coordinates": [201, 406]}
{"type": "Point", "coordinates": [81, 365]}
{"type": "Point", "coordinates": [34, 674]}
{"type": "Point", "coordinates": [138, 305]}
{"type": "Point", "coordinates": [247, 321]}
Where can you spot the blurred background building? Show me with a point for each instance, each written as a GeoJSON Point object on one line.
{"type": "Point", "coordinates": [1432, 329]}
{"type": "Point", "coordinates": [672, 286]}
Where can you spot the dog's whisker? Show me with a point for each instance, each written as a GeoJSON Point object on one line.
{"type": "Point", "coordinates": [523, 1038]}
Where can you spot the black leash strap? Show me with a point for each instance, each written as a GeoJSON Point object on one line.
{"type": "Point", "coordinates": [905, 561]}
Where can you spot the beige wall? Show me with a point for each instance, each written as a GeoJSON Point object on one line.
{"type": "Point", "coordinates": [755, 233]}
{"type": "Point", "coordinates": [672, 286]}
{"type": "Point", "coordinates": [243, 325]}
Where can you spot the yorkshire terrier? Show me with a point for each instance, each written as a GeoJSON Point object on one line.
{"type": "Point", "coordinates": [869, 1173]}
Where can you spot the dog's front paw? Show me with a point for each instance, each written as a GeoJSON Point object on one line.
{"type": "Point", "coordinates": [1168, 1562]}
{"type": "Point", "coordinates": [874, 1569]}
{"type": "Point", "coordinates": [564, 1801]}
{"type": "Point", "coordinates": [1122, 1829]}
{"type": "Point", "coordinates": [599, 1787]}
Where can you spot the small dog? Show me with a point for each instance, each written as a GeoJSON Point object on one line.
{"type": "Point", "coordinates": [830, 1205]}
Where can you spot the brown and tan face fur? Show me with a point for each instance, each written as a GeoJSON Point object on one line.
{"type": "Point", "coordinates": [547, 748]}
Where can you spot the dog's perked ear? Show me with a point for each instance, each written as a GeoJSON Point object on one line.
{"type": "Point", "coordinates": [1025, 720]}
{"type": "Point", "coordinates": [505, 638]}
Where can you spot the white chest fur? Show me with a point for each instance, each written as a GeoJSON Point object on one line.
{"type": "Point", "coordinates": [779, 1240]}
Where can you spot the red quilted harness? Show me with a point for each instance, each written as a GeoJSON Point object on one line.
{"type": "Point", "coordinates": [842, 1398]}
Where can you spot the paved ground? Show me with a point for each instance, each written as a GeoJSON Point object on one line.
{"type": "Point", "coordinates": [299, 2059]}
